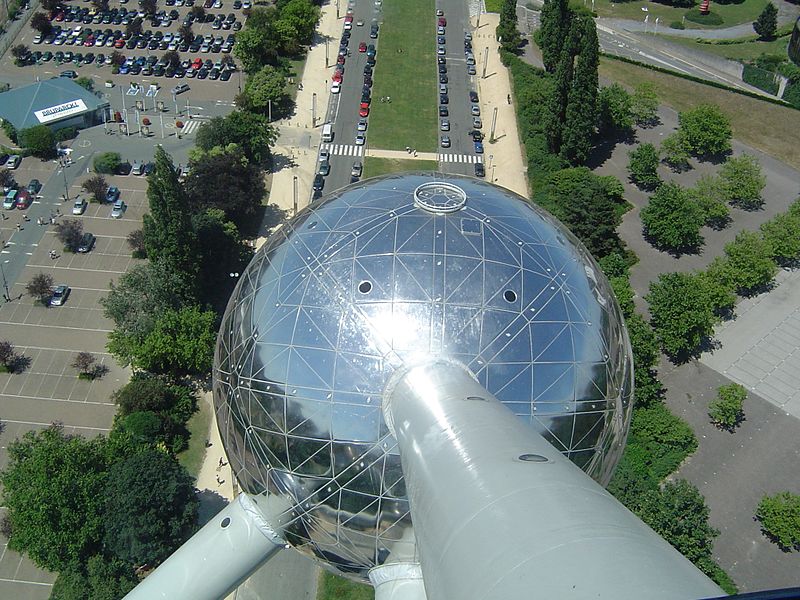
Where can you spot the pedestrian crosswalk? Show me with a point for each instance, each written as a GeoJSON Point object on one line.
{"type": "Point", "coordinates": [343, 149]}
{"type": "Point", "coordinates": [190, 127]}
{"type": "Point", "coordinates": [460, 158]}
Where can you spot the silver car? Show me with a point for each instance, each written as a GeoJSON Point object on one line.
{"type": "Point", "coordinates": [118, 209]}
{"type": "Point", "coordinates": [80, 206]}
{"type": "Point", "coordinates": [59, 296]}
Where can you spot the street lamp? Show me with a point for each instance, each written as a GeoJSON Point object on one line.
{"type": "Point", "coordinates": [66, 186]}
{"type": "Point", "coordinates": [294, 192]}
{"type": "Point", "coordinates": [6, 293]}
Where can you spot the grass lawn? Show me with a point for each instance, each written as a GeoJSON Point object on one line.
{"type": "Point", "coordinates": [331, 587]}
{"type": "Point", "coordinates": [746, 50]}
{"type": "Point", "coordinates": [192, 457]}
{"type": "Point", "coordinates": [374, 166]}
{"type": "Point", "coordinates": [409, 78]}
{"type": "Point", "coordinates": [732, 14]}
{"type": "Point", "coordinates": [493, 6]}
{"type": "Point", "coordinates": [756, 123]}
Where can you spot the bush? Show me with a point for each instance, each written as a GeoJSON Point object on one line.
{"type": "Point", "coordinates": [706, 130]}
{"type": "Point", "coordinates": [107, 162]}
{"type": "Point", "coordinates": [709, 196]}
{"type": "Point", "coordinates": [763, 80]}
{"type": "Point", "coordinates": [726, 411]}
{"type": "Point", "coordinates": [672, 220]}
{"type": "Point", "coordinates": [792, 94]}
{"type": "Point", "coordinates": [712, 19]}
{"type": "Point", "coordinates": [779, 516]}
{"type": "Point", "coordinates": [10, 131]}
{"type": "Point", "coordinates": [67, 133]}
{"type": "Point", "coordinates": [741, 182]}
{"type": "Point", "coordinates": [643, 166]}
{"type": "Point", "coordinates": [38, 141]}
{"type": "Point", "coordinates": [673, 151]}
{"type": "Point", "coordinates": [677, 25]}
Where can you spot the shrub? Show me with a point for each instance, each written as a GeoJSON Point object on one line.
{"type": "Point", "coordinates": [677, 25]}
{"type": "Point", "coordinates": [712, 19]}
{"type": "Point", "coordinates": [741, 182]}
{"type": "Point", "coordinates": [749, 264]}
{"type": "Point", "coordinates": [643, 166]}
{"type": "Point", "coordinates": [792, 94]}
{"type": "Point", "coordinates": [726, 411]}
{"type": "Point", "coordinates": [673, 151]}
{"type": "Point", "coordinates": [763, 80]}
{"type": "Point", "coordinates": [107, 162]}
{"type": "Point", "coordinates": [779, 516]}
{"type": "Point", "coordinates": [706, 130]}
{"type": "Point", "coordinates": [66, 133]}
{"type": "Point", "coordinates": [39, 141]}
{"type": "Point", "coordinates": [672, 220]}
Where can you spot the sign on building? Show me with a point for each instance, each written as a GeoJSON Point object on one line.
{"type": "Point", "coordinates": [54, 113]}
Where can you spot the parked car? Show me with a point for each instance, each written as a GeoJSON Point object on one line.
{"type": "Point", "coordinates": [357, 169]}
{"type": "Point", "coordinates": [24, 199]}
{"type": "Point", "coordinates": [118, 209]}
{"type": "Point", "coordinates": [137, 168]}
{"type": "Point", "coordinates": [324, 167]}
{"type": "Point", "coordinates": [479, 170]}
{"type": "Point", "coordinates": [59, 295]}
{"type": "Point", "coordinates": [13, 161]}
{"type": "Point", "coordinates": [319, 183]}
{"type": "Point", "coordinates": [80, 206]}
{"type": "Point", "coordinates": [86, 243]}
{"type": "Point", "coordinates": [445, 141]}
{"type": "Point", "coordinates": [180, 88]}
{"type": "Point", "coordinates": [10, 199]}
{"type": "Point", "coordinates": [473, 96]}
{"type": "Point", "coordinates": [68, 74]}
{"type": "Point", "coordinates": [34, 186]}
{"type": "Point", "coordinates": [112, 195]}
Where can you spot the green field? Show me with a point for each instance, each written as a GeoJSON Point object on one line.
{"type": "Point", "coordinates": [745, 50]}
{"type": "Point", "coordinates": [732, 14]}
{"type": "Point", "coordinates": [406, 73]}
{"type": "Point", "coordinates": [331, 587]}
{"type": "Point", "coordinates": [493, 6]}
{"type": "Point", "coordinates": [192, 457]}
{"type": "Point", "coordinates": [374, 166]}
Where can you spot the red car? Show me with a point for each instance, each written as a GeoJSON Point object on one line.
{"type": "Point", "coordinates": [348, 19]}
{"type": "Point", "coordinates": [362, 47]}
{"type": "Point", "coordinates": [24, 199]}
{"type": "Point", "coordinates": [337, 76]}
{"type": "Point", "coordinates": [340, 60]}
{"type": "Point", "coordinates": [364, 110]}
{"type": "Point", "coordinates": [197, 63]}
{"type": "Point", "coordinates": [442, 22]}
{"type": "Point", "coordinates": [120, 43]}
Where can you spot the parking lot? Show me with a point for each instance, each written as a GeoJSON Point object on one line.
{"type": "Point", "coordinates": [48, 389]}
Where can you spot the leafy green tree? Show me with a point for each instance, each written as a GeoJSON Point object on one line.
{"type": "Point", "coordinates": [706, 130]}
{"type": "Point", "coordinates": [181, 342]}
{"type": "Point", "coordinates": [97, 186]}
{"type": "Point", "coordinates": [52, 490]}
{"type": "Point", "coordinates": [782, 234]}
{"type": "Point", "coordinates": [250, 131]}
{"type": "Point", "coordinates": [681, 313]}
{"type": "Point", "coordinates": [644, 104]}
{"type": "Point", "coordinates": [578, 128]}
{"type": "Point", "coordinates": [20, 51]}
{"type": "Point", "coordinates": [265, 86]}
{"type": "Point", "coordinates": [678, 513]}
{"type": "Point", "coordinates": [40, 287]}
{"type": "Point", "coordinates": [707, 194]}
{"type": "Point", "coordinates": [134, 27]}
{"type": "Point", "coordinates": [643, 166]}
{"type": "Point", "coordinates": [38, 140]}
{"type": "Point", "coordinates": [588, 205]}
{"type": "Point", "coordinates": [257, 44]}
{"type": "Point", "coordinates": [69, 232]}
{"type": "Point", "coordinates": [672, 220]}
{"type": "Point", "coordinates": [145, 392]}
{"type": "Point", "coordinates": [741, 181]}
{"type": "Point", "coordinates": [750, 265]}
{"type": "Point", "coordinates": [726, 410]}
{"type": "Point", "coordinates": [41, 23]}
{"type": "Point", "coordinates": [555, 21]}
{"type": "Point", "coordinates": [717, 286]}
{"type": "Point", "coordinates": [302, 17]}
{"type": "Point", "coordinates": [779, 516]}
{"type": "Point", "coordinates": [673, 152]}
{"type": "Point", "coordinates": [150, 507]}
{"type": "Point", "coordinates": [168, 234]}
{"type": "Point", "coordinates": [107, 162]}
{"type": "Point", "coordinates": [8, 356]}
{"type": "Point", "coordinates": [102, 579]}
{"type": "Point", "coordinates": [86, 83]}
{"type": "Point", "coordinates": [614, 109]}
{"type": "Point", "coordinates": [507, 32]}
{"type": "Point", "coordinates": [766, 25]}
{"type": "Point", "coordinates": [227, 181]}
{"type": "Point", "coordinates": [149, 6]}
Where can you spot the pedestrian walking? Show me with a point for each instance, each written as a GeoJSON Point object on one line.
{"type": "Point", "coordinates": [52, 220]}
{"type": "Point", "coordinates": [38, 220]}
{"type": "Point", "coordinates": [220, 481]}
{"type": "Point", "coordinates": [509, 98]}
{"type": "Point", "coordinates": [19, 226]}
{"type": "Point", "coordinates": [26, 217]}
{"type": "Point", "coordinates": [53, 254]}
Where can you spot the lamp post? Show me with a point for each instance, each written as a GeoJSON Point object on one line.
{"type": "Point", "coordinates": [294, 193]}
{"type": "Point", "coordinates": [6, 293]}
{"type": "Point", "coordinates": [314, 109]}
{"type": "Point", "coordinates": [326, 52]}
{"type": "Point", "coordinates": [485, 61]}
{"type": "Point", "coordinates": [66, 186]}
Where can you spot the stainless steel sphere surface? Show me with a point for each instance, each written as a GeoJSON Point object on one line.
{"type": "Point", "coordinates": [387, 272]}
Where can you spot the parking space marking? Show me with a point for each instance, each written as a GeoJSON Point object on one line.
{"type": "Point", "coordinates": [53, 399]}
{"type": "Point", "coordinates": [39, 424]}
{"type": "Point", "coordinates": [60, 326]}
{"type": "Point", "coordinates": [25, 581]}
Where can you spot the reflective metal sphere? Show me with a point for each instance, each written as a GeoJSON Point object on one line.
{"type": "Point", "coordinates": [390, 271]}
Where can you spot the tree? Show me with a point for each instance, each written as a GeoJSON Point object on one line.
{"type": "Point", "coordinates": [717, 286]}
{"type": "Point", "coordinates": [779, 516]}
{"type": "Point", "coordinates": [97, 186]}
{"type": "Point", "coordinates": [673, 152]}
{"type": "Point", "coordinates": [86, 83]}
{"type": "Point", "coordinates": [302, 17]}
{"type": "Point", "coordinates": [726, 411]}
{"type": "Point", "coordinates": [20, 51]}
{"type": "Point", "coordinates": [149, 6]}
{"type": "Point", "coordinates": [150, 508]}
{"type": "Point", "coordinates": [69, 232]}
{"type": "Point", "coordinates": [228, 182]}
{"type": "Point", "coordinates": [706, 130]}
{"type": "Point", "coordinates": [134, 27]}
{"type": "Point", "coordinates": [581, 109]}
{"type": "Point", "coordinates": [251, 132]}
{"type": "Point", "coordinates": [681, 313]}
{"type": "Point", "coordinates": [107, 162]}
{"type": "Point", "coordinates": [741, 181]}
{"type": "Point", "coordinates": [7, 355]}
{"type": "Point", "coordinates": [85, 363]}
{"type": "Point", "coordinates": [644, 104]}
{"type": "Point", "coordinates": [614, 109]}
{"type": "Point", "coordinates": [145, 392]}
{"type": "Point", "coordinates": [117, 58]}
{"type": "Point", "coordinates": [555, 20]}
{"type": "Point", "coordinates": [257, 43]}
{"type": "Point", "coordinates": [707, 194]}
{"type": "Point", "coordinates": [40, 287]}
{"type": "Point", "coordinates": [7, 178]}
{"type": "Point", "coordinates": [52, 490]}
{"type": "Point", "coordinates": [50, 5]}
{"type": "Point", "coordinates": [171, 58]}
{"type": "Point", "coordinates": [227, 60]}
{"type": "Point", "coordinates": [507, 32]}
{"type": "Point", "coordinates": [672, 220]}
{"type": "Point", "coordinates": [199, 13]}
{"type": "Point", "coordinates": [782, 235]}
{"type": "Point", "coordinates": [39, 141]}
{"type": "Point", "coordinates": [100, 5]}
{"type": "Point", "coordinates": [643, 166]}
{"type": "Point", "coordinates": [588, 205]}
{"type": "Point", "coordinates": [766, 25]}
{"type": "Point", "coordinates": [265, 86]}
{"type": "Point", "coordinates": [103, 578]}
{"type": "Point", "coordinates": [41, 23]}
{"type": "Point", "coordinates": [135, 241]}
{"type": "Point", "coordinates": [186, 32]}
{"type": "Point", "coordinates": [678, 513]}
{"type": "Point", "coordinates": [181, 342]}
{"type": "Point", "coordinates": [750, 265]}
{"type": "Point", "coordinates": [168, 235]}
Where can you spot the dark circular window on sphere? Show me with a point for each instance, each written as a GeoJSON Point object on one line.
{"type": "Point", "coordinates": [510, 295]}
{"type": "Point", "coordinates": [365, 287]}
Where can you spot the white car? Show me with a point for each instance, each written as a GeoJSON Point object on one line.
{"type": "Point", "coordinates": [80, 206]}
{"type": "Point", "coordinates": [324, 155]}
{"type": "Point", "coordinates": [336, 87]}
{"type": "Point", "coordinates": [360, 139]}
{"type": "Point", "coordinates": [118, 209]}
{"type": "Point", "coordinates": [362, 125]}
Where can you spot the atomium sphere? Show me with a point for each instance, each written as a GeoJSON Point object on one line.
{"type": "Point", "coordinates": [387, 272]}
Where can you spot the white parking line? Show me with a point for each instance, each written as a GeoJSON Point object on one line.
{"type": "Point", "coordinates": [58, 326]}
{"type": "Point", "coordinates": [50, 423]}
{"type": "Point", "coordinates": [25, 581]}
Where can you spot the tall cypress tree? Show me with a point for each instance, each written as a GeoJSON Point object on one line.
{"type": "Point", "coordinates": [507, 31]}
{"type": "Point", "coordinates": [168, 233]}
{"type": "Point", "coordinates": [766, 26]}
{"type": "Point", "coordinates": [555, 21]}
{"type": "Point", "coordinates": [580, 113]}
{"type": "Point", "coordinates": [557, 102]}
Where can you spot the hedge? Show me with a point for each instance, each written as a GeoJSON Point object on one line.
{"type": "Point", "coordinates": [763, 80]}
